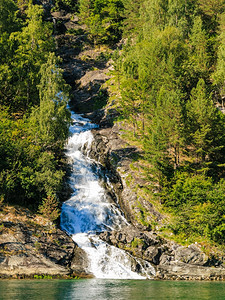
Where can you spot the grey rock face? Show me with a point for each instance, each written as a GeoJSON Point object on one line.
{"type": "Point", "coordinates": [31, 245]}
{"type": "Point", "coordinates": [25, 250]}
{"type": "Point", "coordinates": [171, 260]}
{"type": "Point", "coordinates": [191, 255]}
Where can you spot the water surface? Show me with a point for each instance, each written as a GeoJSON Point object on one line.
{"type": "Point", "coordinates": [99, 289]}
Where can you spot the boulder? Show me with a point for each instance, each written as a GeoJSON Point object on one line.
{"type": "Point", "coordinates": [191, 255]}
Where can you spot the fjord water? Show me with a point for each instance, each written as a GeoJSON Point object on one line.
{"type": "Point", "coordinates": [98, 289]}
{"type": "Point", "coordinates": [90, 210]}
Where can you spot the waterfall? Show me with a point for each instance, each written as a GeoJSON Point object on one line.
{"type": "Point", "coordinates": [90, 210]}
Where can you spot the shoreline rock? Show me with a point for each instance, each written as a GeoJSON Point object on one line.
{"type": "Point", "coordinates": [30, 245]}
{"type": "Point", "coordinates": [171, 260]}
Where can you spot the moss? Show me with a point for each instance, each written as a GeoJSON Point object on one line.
{"type": "Point", "coordinates": [137, 242]}
{"type": "Point", "coordinates": [129, 180]}
{"type": "Point", "coordinates": [37, 245]}
{"type": "Point", "coordinates": [142, 215]}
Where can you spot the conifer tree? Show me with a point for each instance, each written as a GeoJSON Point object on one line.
{"type": "Point", "coordinates": [103, 19]}
{"type": "Point", "coordinates": [164, 142]}
{"type": "Point", "coordinates": [211, 8]}
{"type": "Point", "coordinates": [180, 14]}
{"type": "Point", "coordinates": [197, 63]}
{"type": "Point", "coordinates": [132, 21]}
{"type": "Point", "coordinates": [52, 118]}
{"type": "Point", "coordinates": [219, 74]}
{"type": "Point", "coordinates": [204, 127]}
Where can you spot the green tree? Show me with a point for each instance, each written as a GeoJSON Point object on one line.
{"type": "Point", "coordinates": [181, 13]}
{"type": "Point", "coordinates": [50, 208]}
{"type": "Point", "coordinates": [52, 118]}
{"type": "Point", "coordinates": [27, 51]}
{"type": "Point", "coordinates": [132, 22]}
{"type": "Point", "coordinates": [103, 18]}
{"type": "Point", "coordinates": [197, 63]}
{"type": "Point", "coordinates": [212, 8]}
{"type": "Point", "coordinates": [164, 141]}
{"type": "Point", "coordinates": [8, 17]}
{"type": "Point", "coordinates": [31, 145]}
{"type": "Point", "coordinates": [219, 74]}
{"type": "Point", "coordinates": [204, 124]}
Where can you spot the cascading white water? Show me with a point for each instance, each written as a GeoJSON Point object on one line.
{"type": "Point", "coordinates": [90, 210]}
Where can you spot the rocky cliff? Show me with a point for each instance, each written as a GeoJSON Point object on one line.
{"type": "Point", "coordinates": [86, 69]}
{"type": "Point", "coordinates": [31, 245]}
{"type": "Point", "coordinates": [171, 260]}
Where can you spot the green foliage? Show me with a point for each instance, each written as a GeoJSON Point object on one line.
{"type": "Point", "coordinates": [164, 140]}
{"type": "Point", "coordinates": [19, 67]}
{"type": "Point", "coordinates": [101, 99]}
{"type": "Point", "coordinates": [204, 124]}
{"type": "Point", "coordinates": [8, 19]}
{"type": "Point", "coordinates": [169, 74]}
{"type": "Point", "coordinates": [27, 172]}
{"type": "Point", "coordinates": [211, 7]}
{"type": "Point", "coordinates": [136, 243]}
{"type": "Point", "coordinates": [132, 22]}
{"type": "Point", "coordinates": [199, 206]}
{"type": "Point", "coordinates": [187, 189]}
{"type": "Point", "coordinates": [67, 5]}
{"type": "Point", "coordinates": [103, 19]}
{"type": "Point", "coordinates": [50, 208]}
{"type": "Point", "coordinates": [51, 119]}
{"type": "Point", "coordinates": [219, 74]}
{"type": "Point", "coordinates": [197, 63]}
{"type": "Point", "coordinates": [34, 119]}
{"type": "Point", "coordinates": [1, 200]}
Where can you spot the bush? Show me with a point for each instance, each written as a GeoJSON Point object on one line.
{"type": "Point", "coordinates": [50, 208]}
{"type": "Point", "coordinates": [186, 188]}
{"type": "Point", "coordinates": [103, 19]}
{"type": "Point", "coordinates": [1, 201]}
{"type": "Point", "coordinates": [198, 205]}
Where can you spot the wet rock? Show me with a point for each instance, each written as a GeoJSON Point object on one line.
{"type": "Point", "coordinates": [116, 155]}
{"type": "Point", "coordinates": [182, 271]}
{"type": "Point", "coordinates": [135, 242]}
{"type": "Point", "coordinates": [79, 264]}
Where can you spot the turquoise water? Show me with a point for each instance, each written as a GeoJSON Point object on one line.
{"type": "Point", "coordinates": [97, 289]}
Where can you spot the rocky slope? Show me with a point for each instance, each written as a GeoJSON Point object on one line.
{"type": "Point", "coordinates": [31, 245]}
{"type": "Point", "coordinates": [86, 70]}
{"type": "Point", "coordinates": [171, 260]}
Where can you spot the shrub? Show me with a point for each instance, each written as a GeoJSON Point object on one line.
{"type": "Point", "coordinates": [1, 200]}
{"type": "Point", "coordinates": [50, 208]}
